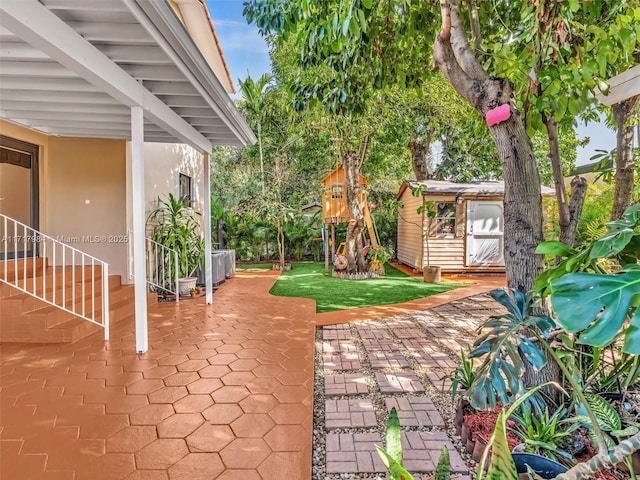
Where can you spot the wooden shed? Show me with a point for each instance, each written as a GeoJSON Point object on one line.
{"type": "Point", "coordinates": [466, 234]}
{"type": "Point", "coordinates": [334, 196]}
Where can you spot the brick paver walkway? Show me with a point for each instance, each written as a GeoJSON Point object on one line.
{"type": "Point", "coordinates": [405, 357]}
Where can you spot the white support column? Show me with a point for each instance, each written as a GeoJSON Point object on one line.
{"type": "Point", "coordinates": [139, 257]}
{"type": "Point", "coordinates": [208, 272]}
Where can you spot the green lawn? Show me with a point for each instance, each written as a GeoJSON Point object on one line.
{"type": "Point", "coordinates": [255, 266]}
{"type": "Point", "coordinates": [308, 280]}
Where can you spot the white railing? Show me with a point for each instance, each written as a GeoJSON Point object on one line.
{"type": "Point", "coordinates": [76, 282]}
{"type": "Point", "coordinates": [162, 267]}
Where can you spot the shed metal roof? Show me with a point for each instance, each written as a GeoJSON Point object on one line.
{"type": "Point", "coordinates": [487, 188]}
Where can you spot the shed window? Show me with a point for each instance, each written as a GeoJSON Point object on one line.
{"type": "Point", "coordinates": [185, 188]}
{"type": "Point", "coordinates": [445, 221]}
{"type": "Point", "coordinates": [336, 191]}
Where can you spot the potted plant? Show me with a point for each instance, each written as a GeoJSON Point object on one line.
{"type": "Point", "coordinates": [194, 291]}
{"type": "Point", "coordinates": [175, 225]}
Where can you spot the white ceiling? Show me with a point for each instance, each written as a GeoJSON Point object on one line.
{"type": "Point", "coordinates": [75, 67]}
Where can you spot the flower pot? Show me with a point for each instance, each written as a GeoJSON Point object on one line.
{"type": "Point", "coordinates": [543, 466]}
{"type": "Point", "coordinates": [185, 285]}
{"type": "Point", "coordinates": [432, 274]}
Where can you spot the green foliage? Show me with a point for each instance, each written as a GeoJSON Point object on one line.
{"type": "Point", "coordinates": [502, 466]}
{"type": "Point", "coordinates": [621, 243]}
{"type": "Point", "coordinates": [174, 224]}
{"type": "Point", "coordinates": [463, 376]}
{"type": "Point", "coordinates": [545, 433]}
{"type": "Point", "coordinates": [504, 347]}
{"type": "Point", "coordinates": [392, 456]}
{"type": "Point", "coordinates": [600, 315]}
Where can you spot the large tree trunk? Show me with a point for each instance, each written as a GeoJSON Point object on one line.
{"type": "Point", "coordinates": [522, 200]}
{"type": "Point", "coordinates": [568, 213]}
{"type": "Point", "coordinates": [623, 196]}
{"type": "Point", "coordinates": [419, 156]}
{"type": "Point", "coordinates": [355, 258]}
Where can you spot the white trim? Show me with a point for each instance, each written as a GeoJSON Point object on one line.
{"type": "Point", "coordinates": [208, 271]}
{"type": "Point", "coordinates": [139, 256]}
{"type": "Point", "coordinates": [37, 25]}
{"type": "Point", "coordinates": [622, 87]}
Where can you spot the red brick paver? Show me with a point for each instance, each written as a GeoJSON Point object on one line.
{"type": "Point", "coordinates": [350, 413]}
{"type": "Point", "coordinates": [405, 382]}
{"type": "Point", "coordinates": [415, 411]}
{"type": "Point", "coordinates": [345, 384]}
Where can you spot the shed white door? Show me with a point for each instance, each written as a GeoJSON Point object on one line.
{"type": "Point", "coordinates": [485, 243]}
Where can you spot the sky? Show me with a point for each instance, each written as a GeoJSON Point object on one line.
{"type": "Point", "coordinates": [246, 54]}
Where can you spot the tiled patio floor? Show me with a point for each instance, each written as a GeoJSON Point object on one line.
{"type": "Point", "coordinates": [225, 391]}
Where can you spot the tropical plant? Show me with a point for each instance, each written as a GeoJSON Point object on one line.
{"type": "Point", "coordinates": [174, 225]}
{"type": "Point", "coordinates": [392, 455]}
{"type": "Point", "coordinates": [545, 433]}
{"type": "Point", "coordinates": [463, 376]}
{"type": "Point", "coordinates": [505, 346]}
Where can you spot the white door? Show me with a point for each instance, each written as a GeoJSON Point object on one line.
{"type": "Point", "coordinates": [485, 243]}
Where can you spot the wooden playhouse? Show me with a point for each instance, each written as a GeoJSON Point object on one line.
{"type": "Point", "coordinates": [466, 234]}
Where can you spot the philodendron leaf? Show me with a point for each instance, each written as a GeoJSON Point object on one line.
{"type": "Point", "coordinates": [394, 446]}
{"type": "Point", "coordinates": [595, 305]}
{"type": "Point", "coordinates": [632, 335]}
{"type": "Point", "coordinates": [554, 247]}
{"type": "Point", "coordinates": [502, 466]}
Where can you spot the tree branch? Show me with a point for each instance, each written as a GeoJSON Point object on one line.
{"type": "Point", "coordinates": [462, 50]}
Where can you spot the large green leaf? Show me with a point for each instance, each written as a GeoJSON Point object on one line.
{"type": "Point", "coordinates": [632, 335]}
{"type": "Point", "coordinates": [595, 305]}
{"type": "Point", "coordinates": [394, 446]}
{"type": "Point", "coordinates": [502, 466]}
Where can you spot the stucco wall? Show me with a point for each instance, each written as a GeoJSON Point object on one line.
{"type": "Point", "coordinates": [86, 198]}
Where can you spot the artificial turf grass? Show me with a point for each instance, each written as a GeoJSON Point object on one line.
{"type": "Point", "coordinates": [308, 280]}
{"type": "Point", "coordinates": [255, 266]}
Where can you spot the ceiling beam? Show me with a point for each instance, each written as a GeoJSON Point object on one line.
{"type": "Point", "coordinates": [35, 24]}
{"type": "Point", "coordinates": [95, 98]}
{"type": "Point", "coordinates": [68, 107]}
{"type": "Point", "coordinates": [622, 87]}
{"type": "Point", "coordinates": [48, 84]}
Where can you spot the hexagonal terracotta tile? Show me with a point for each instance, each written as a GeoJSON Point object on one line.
{"type": "Point", "coordinates": [244, 364]}
{"type": "Point", "coordinates": [288, 438]}
{"type": "Point", "coordinates": [252, 425]}
{"type": "Point", "coordinates": [181, 378]}
{"type": "Point", "coordinates": [240, 474]}
{"type": "Point", "coordinates": [245, 453]}
{"type": "Point", "coordinates": [222, 359]}
{"type": "Point", "coordinates": [292, 393]}
{"type": "Point", "coordinates": [238, 378]}
{"type": "Point", "coordinates": [131, 439]}
{"type": "Point", "coordinates": [204, 385]}
{"type": "Point", "coordinates": [161, 454]}
{"type": "Point", "coordinates": [214, 371]}
{"type": "Point", "coordinates": [223, 413]}
{"type": "Point", "coordinates": [264, 385]}
{"type": "Point", "coordinates": [228, 348]}
{"type": "Point", "coordinates": [249, 353]}
{"type": "Point", "coordinates": [259, 403]}
{"type": "Point", "coordinates": [192, 365]}
{"type": "Point", "coordinates": [173, 359]}
{"type": "Point", "coordinates": [291, 413]}
{"type": "Point", "coordinates": [145, 386]}
{"type": "Point", "coordinates": [210, 438]}
{"type": "Point", "coordinates": [193, 404]}
{"type": "Point", "coordinates": [268, 370]}
{"type": "Point", "coordinates": [197, 466]}
{"type": "Point", "coordinates": [179, 425]}
{"type": "Point", "coordinates": [229, 394]}
{"type": "Point", "coordinates": [161, 371]}
{"type": "Point", "coordinates": [151, 414]}
{"type": "Point", "coordinates": [167, 395]}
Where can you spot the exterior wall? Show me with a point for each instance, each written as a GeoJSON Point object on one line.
{"type": "Point", "coordinates": [82, 193]}
{"type": "Point", "coordinates": [85, 197]}
{"type": "Point", "coordinates": [410, 243]}
{"type": "Point", "coordinates": [447, 252]}
{"type": "Point", "coordinates": [163, 162]}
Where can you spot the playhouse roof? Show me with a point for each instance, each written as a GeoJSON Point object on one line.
{"type": "Point", "coordinates": [439, 187]}
{"type": "Point", "coordinates": [338, 174]}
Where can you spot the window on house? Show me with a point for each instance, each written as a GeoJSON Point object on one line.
{"type": "Point", "coordinates": [445, 221]}
{"type": "Point", "coordinates": [336, 191]}
{"type": "Point", "coordinates": [185, 184]}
